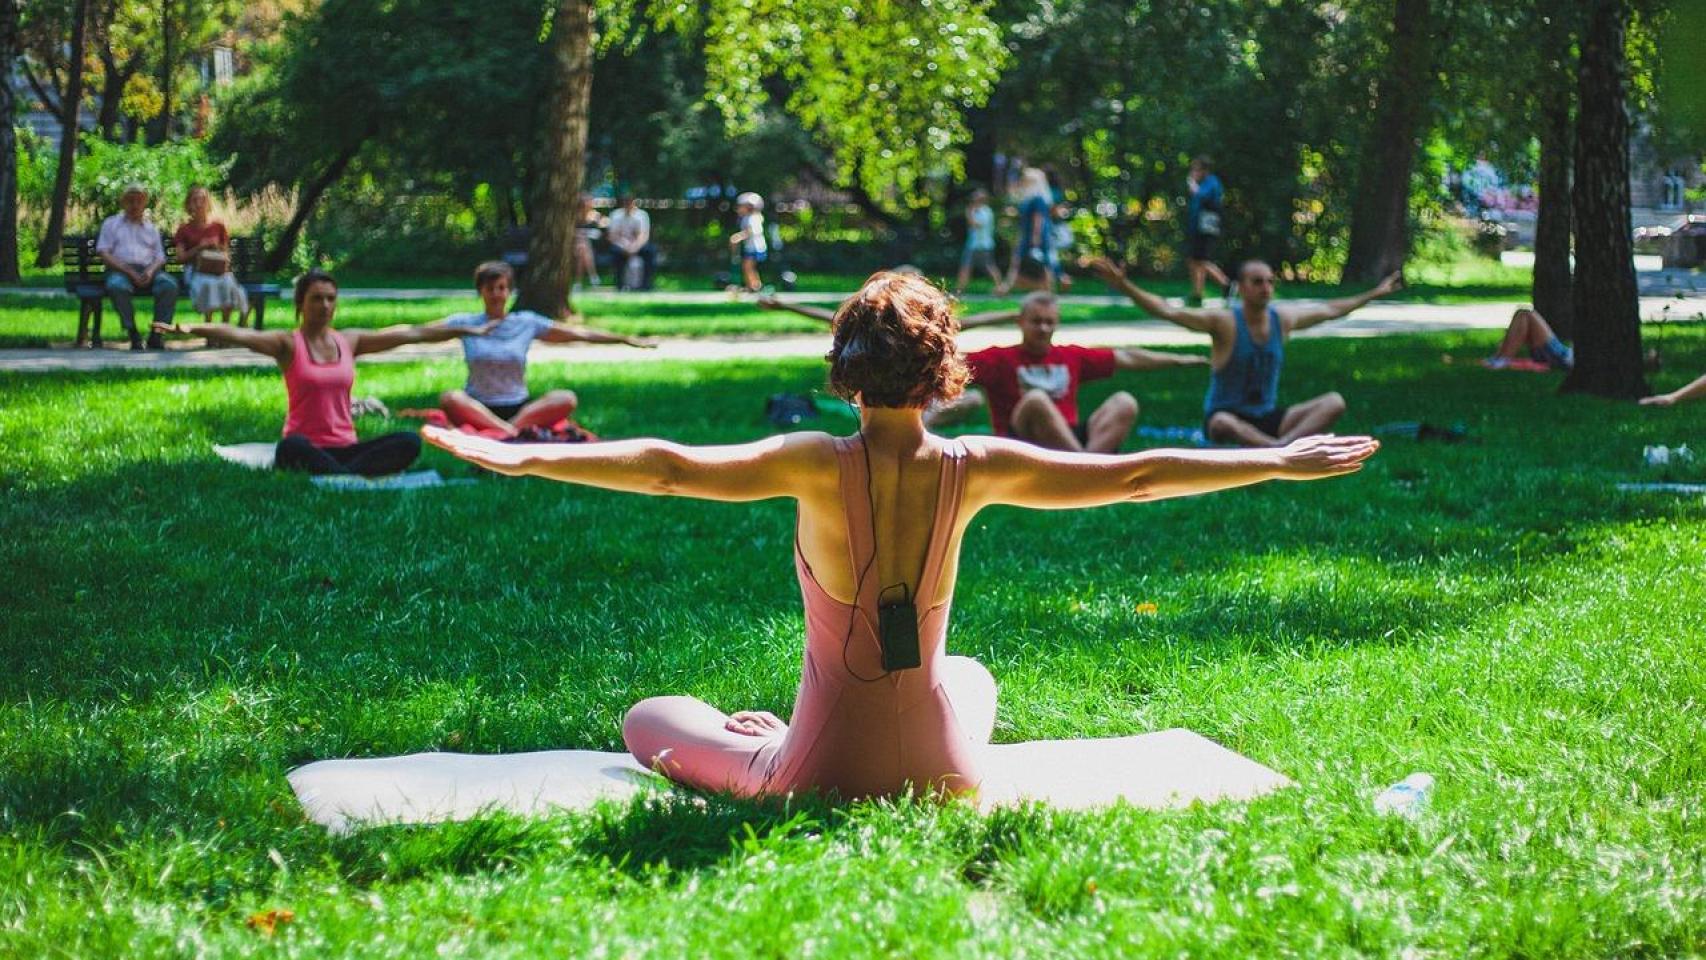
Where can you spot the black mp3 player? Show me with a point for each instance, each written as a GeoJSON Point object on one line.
{"type": "Point", "coordinates": [897, 630]}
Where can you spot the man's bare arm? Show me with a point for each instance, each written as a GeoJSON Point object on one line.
{"type": "Point", "coordinates": [816, 313]}
{"type": "Point", "coordinates": [1202, 321]}
{"type": "Point", "coordinates": [988, 318]}
{"type": "Point", "coordinates": [1137, 358]}
{"type": "Point", "coordinates": [1306, 315]}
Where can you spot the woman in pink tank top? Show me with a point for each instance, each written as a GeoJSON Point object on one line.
{"type": "Point", "coordinates": [882, 708]}
{"type": "Point", "coordinates": [318, 362]}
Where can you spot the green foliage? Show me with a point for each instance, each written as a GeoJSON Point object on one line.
{"type": "Point", "coordinates": [882, 84]}
{"type": "Point", "coordinates": [36, 161]}
{"type": "Point", "coordinates": [180, 632]}
{"type": "Point", "coordinates": [1120, 96]}
{"type": "Point", "coordinates": [167, 170]}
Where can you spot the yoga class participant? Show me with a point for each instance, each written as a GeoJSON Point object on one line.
{"type": "Point", "coordinates": [1032, 386]}
{"type": "Point", "coordinates": [1242, 406]}
{"type": "Point", "coordinates": [318, 362]}
{"type": "Point", "coordinates": [495, 396]}
{"type": "Point", "coordinates": [1689, 391]}
{"type": "Point", "coordinates": [881, 708]}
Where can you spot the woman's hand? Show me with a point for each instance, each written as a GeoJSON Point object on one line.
{"type": "Point", "coordinates": [1658, 400]}
{"type": "Point", "coordinates": [644, 343]}
{"type": "Point", "coordinates": [1325, 455]}
{"type": "Point", "coordinates": [505, 458]}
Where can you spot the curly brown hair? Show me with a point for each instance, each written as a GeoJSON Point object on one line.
{"type": "Point", "coordinates": [894, 344]}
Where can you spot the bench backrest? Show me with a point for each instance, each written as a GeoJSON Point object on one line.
{"type": "Point", "coordinates": [84, 267]}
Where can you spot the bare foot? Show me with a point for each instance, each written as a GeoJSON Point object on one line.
{"type": "Point", "coordinates": [756, 723]}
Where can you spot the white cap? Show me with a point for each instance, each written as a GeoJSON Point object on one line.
{"type": "Point", "coordinates": [750, 199]}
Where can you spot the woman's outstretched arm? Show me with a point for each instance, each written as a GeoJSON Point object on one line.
{"type": "Point", "coordinates": [784, 465]}
{"type": "Point", "coordinates": [273, 343]}
{"type": "Point", "coordinates": [1697, 388]}
{"type": "Point", "coordinates": [374, 341]}
{"type": "Point", "coordinates": [1026, 475]}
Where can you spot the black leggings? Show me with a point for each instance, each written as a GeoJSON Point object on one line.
{"type": "Point", "coordinates": [391, 453]}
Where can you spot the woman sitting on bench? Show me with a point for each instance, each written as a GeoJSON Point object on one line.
{"type": "Point", "coordinates": [318, 362]}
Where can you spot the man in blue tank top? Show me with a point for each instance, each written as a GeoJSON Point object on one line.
{"type": "Point", "coordinates": [1242, 406]}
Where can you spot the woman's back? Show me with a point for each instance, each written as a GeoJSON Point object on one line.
{"type": "Point", "coordinates": [900, 493]}
{"type": "Point", "coordinates": [873, 713]}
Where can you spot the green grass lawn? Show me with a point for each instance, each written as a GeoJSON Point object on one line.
{"type": "Point", "coordinates": [179, 632]}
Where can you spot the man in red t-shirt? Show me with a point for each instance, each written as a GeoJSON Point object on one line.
{"type": "Point", "coordinates": [1032, 387]}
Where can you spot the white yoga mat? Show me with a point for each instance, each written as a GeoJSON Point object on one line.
{"type": "Point", "coordinates": [1171, 768]}
{"type": "Point", "coordinates": [414, 480]}
{"type": "Point", "coordinates": [255, 456]}
{"type": "Point", "coordinates": [1662, 487]}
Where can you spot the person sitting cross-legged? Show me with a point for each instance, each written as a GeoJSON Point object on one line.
{"type": "Point", "coordinates": [318, 363]}
{"type": "Point", "coordinates": [882, 708]}
{"type": "Point", "coordinates": [1248, 336]}
{"type": "Point", "coordinates": [495, 396]}
{"type": "Point", "coordinates": [1032, 387]}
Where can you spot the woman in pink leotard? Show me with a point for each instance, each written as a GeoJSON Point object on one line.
{"type": "Point", "coordinates": [880, 519]}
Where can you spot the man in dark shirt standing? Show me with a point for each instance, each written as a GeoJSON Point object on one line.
{"type": "Point", "coordinates": [1203, 226]}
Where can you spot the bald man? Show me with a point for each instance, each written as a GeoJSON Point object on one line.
{"type": "Point", "coordinates": [1032, 386]}
{"type": "Point", "coordinates": [1249, 335]}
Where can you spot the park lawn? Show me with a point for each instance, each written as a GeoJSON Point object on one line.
{"type": "Point", "coordinates": [180, 632]}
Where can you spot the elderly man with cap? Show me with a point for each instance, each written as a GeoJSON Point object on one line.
{"type": "Point", "coordinates": [135, 256]}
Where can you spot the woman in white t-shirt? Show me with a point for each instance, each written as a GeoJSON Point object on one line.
{"type": "Point", "coordinates": [749, 239]}
{"type": "Point", "coordinates": [496, 396]}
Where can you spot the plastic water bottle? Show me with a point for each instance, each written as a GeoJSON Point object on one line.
{"type": "Point", "coordinates": [1661, 456]}
{"type": "Point", "coordinates": [1407, 798]}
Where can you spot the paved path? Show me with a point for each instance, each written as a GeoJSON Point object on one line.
{"type": "Point", "coordinates": [1376, 319]}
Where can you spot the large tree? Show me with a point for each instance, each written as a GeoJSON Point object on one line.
{"type": "Point", "coordinates": [1553, 292]}
{"type": "Point", "coordinates": [562, 160]}
{"type": "Point", "coordinates": [54, 70]}
{"type": "Point", "coordinates": [1608, 308]}
{"type": "Point", "coordinates": [9, 47]}
{"type": "Point", "coordinates": [1380, 213]}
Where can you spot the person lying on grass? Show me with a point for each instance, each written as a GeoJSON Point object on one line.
{"type": "Point", "coordinates": [1248, 337]}
{"type": "Point", "coordinates": [1689, 391]}
{"type": "Point", "coordinates": [495, 396]}
{"type": "Point", "coordinates": [1529, 331]}
{"type": "Point", "coordinates": [881, 707]}
{"type": "Point", "coordinates": [318, 362]}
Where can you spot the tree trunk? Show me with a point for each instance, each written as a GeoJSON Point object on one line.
{"type": "Point", "coordinates": [166, 70]}
{"type": "Point", "coordinates": [306, 201]}
{"type": "Point", "coordinates": [1552, 294]}
{"type": "Point", "coordinates": [562, 163]}
{"type": "Point", "coordinates": [9, 40]}
{"type": "Point", "coordinates": [48, 255]}
{"type": "Point", "coordinates": [1608, 306]}
{"type": "Point", "coordinates": [1380, 215]}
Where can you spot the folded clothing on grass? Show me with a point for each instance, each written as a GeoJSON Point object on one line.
{"type": "Point", "coordinates": [1167, 769]}
{"type": "Point", "coordinates": [563, 431]}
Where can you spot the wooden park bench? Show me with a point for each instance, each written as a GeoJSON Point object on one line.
{"type": "Point", "coordinates": [86, 278]}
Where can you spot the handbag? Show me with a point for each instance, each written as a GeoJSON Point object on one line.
{"type": "Point", "coordinates": [213, 263]}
